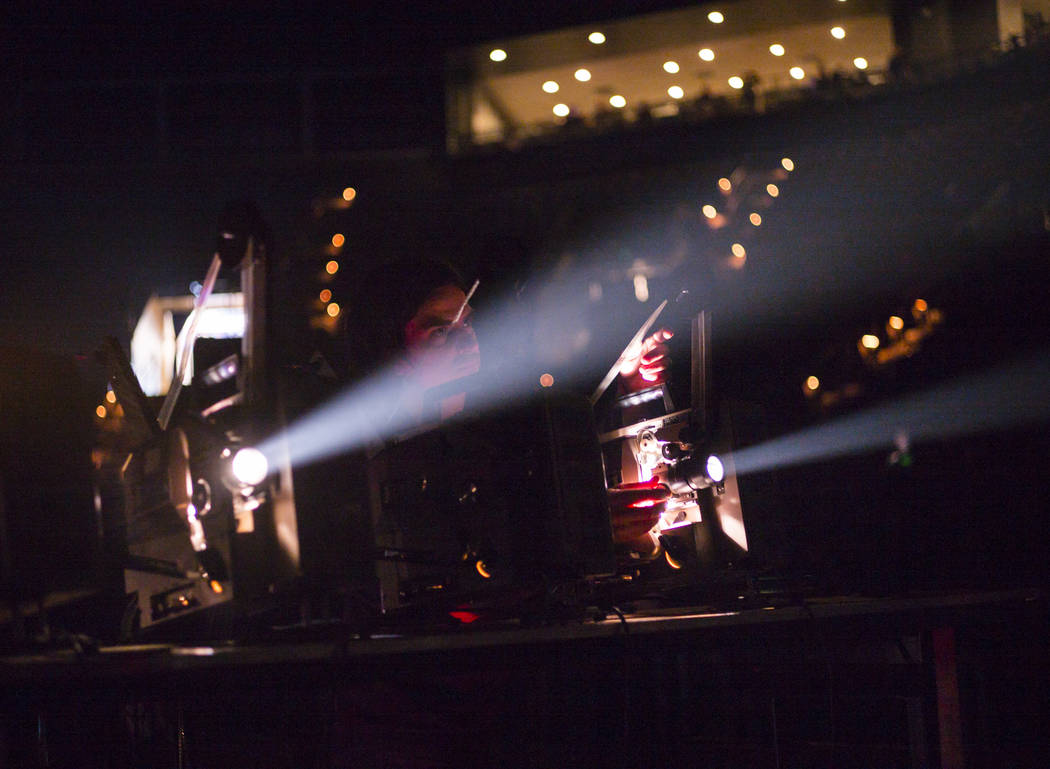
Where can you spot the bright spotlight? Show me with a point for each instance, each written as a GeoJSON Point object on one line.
{"type": "Point", "coordinates": [715, 17]}
{"type": "Point", "coordinates": [797, 73]}
{"type": "Point", "coordinates": [777, 49]}
{"type": "Point", "coordinates": [860, 63]}
{"type": "Point", "coordinates": [561, 110]}
{"type": "Point", "coordinates": [706, 54]}
{"type": "Point", "coordinates": [582, 74]}
{"type": "Point", "coordinates": [788, 163]}
{"type": "Point", "coordinates": [671, 67]}
{"type": "Point", "coordinates": [618, 101]}
{"type": "Point", "coordinates": [249, 467]}
{"type": "Point", "coordinates": [736, 82]}
{"type": "Point", "coordinates": [675, 92]}
{"type": "Point", "coordinates": [596, 37]}
{"type": "Point", "coordinates": [838, 33]}
{"type": "Point", "coordinates": [870, 341]}
{"type": "Point", "coordinates": [709, 211]}
{"type": "Point", "coordinates": [498, 54]}
{"type": "Point", "coordinates": [550, 87]}
{"type": "Point", "coordinates": [716, 471]}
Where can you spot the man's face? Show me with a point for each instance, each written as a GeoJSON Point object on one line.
{"type": "Point", "coordinates": [437, 350]}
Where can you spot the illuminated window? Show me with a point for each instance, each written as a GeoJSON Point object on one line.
{"type": "Point", "coordinates": [715, 17]}
{"type": "Point", "coordinates": [736, 82]}
{"type": "Point", "coordinates": [706, 54]}
{"type": "Point", "coordinates": [498, 54]}
{"type": "Point", "coordinates": [583, 75]}
{"type": "Point", "coordinates": [550, 87]}
{"type": "Point", "coordinates": [709, 211]}
{"type": "Point", "coordinates": [338, 240]}
{"type": "Point", "coordinates": [838, 33]}
{"type": "Point", "coordinates": [561, 110]}
{"type": "Point", "coordinates": [596, 37]}
{"type": "Point", "coordinates": [641, 288]}
{"type": "Point", "coordinates": [777, 49]}
{"type": "Point", "coordinates": [671, 67]}
{"type": "Point", "coordinates": [618, 101]}
{"type": "Point", "coordinates": [675, 92]}
{"type": "Point", "coordinates": [797, 72]}
{"type": "Point", "coordinates": [332, 267]}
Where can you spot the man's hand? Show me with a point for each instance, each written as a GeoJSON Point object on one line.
{"type": "Point", "coordinates": [635, 508]}
{"type": "Point", "coordinates": [647, 365]}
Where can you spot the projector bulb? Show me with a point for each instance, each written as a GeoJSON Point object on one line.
{"type": "Point", "coordinates": [249, 467]}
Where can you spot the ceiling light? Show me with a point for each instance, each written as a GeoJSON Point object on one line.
{"type": "Point", "coordinates": [706, 54]}
{"type": "Point", "coordinates": [671, 67]}
{"type": "Point", "coordinates": [736, 82]}
{"type": "Point", "coordinates": [838, 33]}
{"type": "Point", "coordinates": [550, 87]}
{"type": "Point", "coordinates": [675, 92]}
{"type": "Point", "coordinates": [715, 17]}
{"type": "Point", "coordinates": [583, 75]}
{"type": "Point", "coordinates": [776, 49]}
{"type": "Point", "coordinates": [596, 37]}
{"type": "Point", "coordinates": [498, 54]}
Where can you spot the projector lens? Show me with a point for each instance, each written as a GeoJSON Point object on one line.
{"type": "Point", "coordinates": [250, 466]}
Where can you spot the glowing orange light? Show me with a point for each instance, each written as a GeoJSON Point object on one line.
{"type": "Point", "coordinates": [755, 219]}
{"type": "Point", "coordinates": [870, 341]}
{"type": "Point", "coordinates": [326, 295]}
{"type": "Point", "coordinates": [812, 383]}
{"type": "Point", "coordinates": [724, 184]}
{"type": "Point", "coordinates": [920, 305]}
{"type": "Point", "coordinates": [111, 397]}
{"type": "Point", "coordinates": [332, 267]}
{"type": "Point", "coordinates": [788, 163]}
{"type": "Point", "coordinates": [671, 561]}
{"type": "Point", "coordinates": [482, 569]}
{"type": "Point", "coordinates": [709, 211]}
{"type": "Point", "coordinates": [738, 251]}
{"type": "Point", "coordinates": [332, 309]}
{"type": "Point", "coordinates": [349, 194]}
{"type": "Point", "coordinates": [546, 380]}
{"type": "Point", "coordinates": [773, 190]}
{"type": "Point", "coordinates": [216, 586]}
{"type": "Point", "coordinates": [896, 322]}
{"type": "Point", "coordinates": [643, 503]}
{"type": "Point", "coordinates": [101, 412]}
{"type": "Point", "coordinates": [338, 240]}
